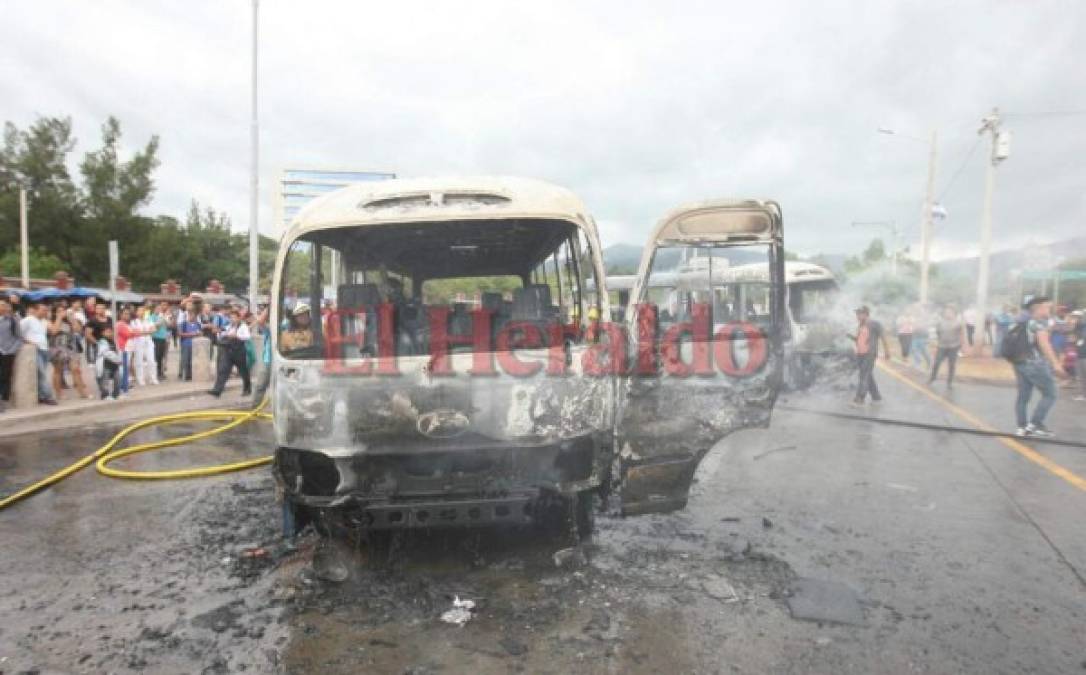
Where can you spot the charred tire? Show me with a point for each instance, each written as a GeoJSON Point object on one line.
{"type": "Point", "coordinates": [584, 513]}
{"type": "Point", "coordinates": [561, 516]}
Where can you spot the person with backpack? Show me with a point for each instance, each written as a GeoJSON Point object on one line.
{"type": "Point", "coordinates": [1079, 338]}
{"type": "Point", "coordinates": [1027, 345]}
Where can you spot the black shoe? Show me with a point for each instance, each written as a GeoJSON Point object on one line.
{"type": "Point", "coordinates": [246, 393]}
{"type": "Point", "coordinates": [214, 393]}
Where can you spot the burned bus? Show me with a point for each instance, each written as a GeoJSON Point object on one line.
{"type": "Point", "coordinates": [438, 360]}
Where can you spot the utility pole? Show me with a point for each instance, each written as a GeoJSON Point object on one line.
{"type": "Point", "coordinates": [254, 182]}
{"type": "Point", "coordinates": [24, 239]}
{"type": "Point", "coordinates": [926, 233]}
{"type": "Point", "coordinates": [1000, 150]}
{"type": "Point", "coordinates": [926, 220]}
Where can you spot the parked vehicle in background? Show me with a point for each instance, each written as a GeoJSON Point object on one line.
{"type": "Point", "coordinates": [813, 329]}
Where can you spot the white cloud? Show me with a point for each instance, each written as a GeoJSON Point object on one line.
{"type": "Point", "coordinates": [635, 107]}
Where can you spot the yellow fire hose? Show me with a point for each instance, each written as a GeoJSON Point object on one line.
{"type": "Point", "coordinates": [106, 454]}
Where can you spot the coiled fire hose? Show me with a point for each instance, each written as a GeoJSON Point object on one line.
{"type": "Point", "coordinates": [109, 452]}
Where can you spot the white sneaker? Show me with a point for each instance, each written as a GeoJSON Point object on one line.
{"type": "Point", "coordinates": [1022, 431]}
{"type": "Point", "coordinates": [1038, 430]}
{"type": "Point", "coordinates": [1078, 398]}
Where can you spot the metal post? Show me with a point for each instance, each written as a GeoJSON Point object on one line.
{"type": "Point", "coordinates": [1056, 287]}
{"type": "Point", "coordinates": [985, 239]}
{"type": "Point", "coordinates": [926, 221]}
{"type": "Point", "coordinates": [114, 270]}
{"type": "Point", "coordinates": [254, 230]}
{"type": "Point", "coordinates": [24, 239]}
{"type": "Point", "coordinates": [893, 250]}
{"type": "Point", "coordinates": [990, 125]}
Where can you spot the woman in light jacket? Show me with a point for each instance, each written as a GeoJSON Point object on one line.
{"type": "Point", "coordinates": [142, 348]}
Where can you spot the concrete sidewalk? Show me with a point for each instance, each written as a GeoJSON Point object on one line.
{"type": "Point", "coordinates": [980, 368]}
{"type": "Point", "coordinates": [146, 401]}
{"type": "Point", "coordinates": [171, 395]}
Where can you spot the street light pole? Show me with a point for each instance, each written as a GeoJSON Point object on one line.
{"type": "Point", "coordinates": [254, 181]}
{"type": "Point", "coordinates": [24, 239]}
{"type": "Point", "coordinates": [926, 221]}
{"type": "Point", "coordinates": [990, 125]}
{"type": "Point", "coordinates": [926, 216]}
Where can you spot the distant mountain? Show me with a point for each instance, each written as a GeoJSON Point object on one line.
{"type": "Point", "coordinates": [622, 256]}
{"type": "Point", "coordinates": [1003, 263]}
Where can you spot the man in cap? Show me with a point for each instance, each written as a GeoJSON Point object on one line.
{"type": "Point", "coordinates": [869, 333]}
{"type": "Point", "coordinates": [1036, 368]}
{"type": "Point", "coordinates": [299, 333]}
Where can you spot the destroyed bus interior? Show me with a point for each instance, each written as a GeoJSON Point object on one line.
{"type": "Point", "coordinates": [419, 449]}
{"type": "Point", "coordinates": [518, 283]}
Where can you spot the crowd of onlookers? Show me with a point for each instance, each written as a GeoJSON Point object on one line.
{"type": "Point", "coordinates": [76, 337]}
{"type": "Point", "coordinates": [1054, 340]}
{"type": "Point", "coordinates": [932, 336]}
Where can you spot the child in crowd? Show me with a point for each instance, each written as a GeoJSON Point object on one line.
{"type": "Point", "coordinates": [108, 366]}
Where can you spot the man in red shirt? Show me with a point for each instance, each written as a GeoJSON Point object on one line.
{"type": "Point", "coordinates": [868, 335]}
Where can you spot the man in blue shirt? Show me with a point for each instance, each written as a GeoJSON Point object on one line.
{"type": "Point", "coordinates": [1036, 370]}
{"type": "Point", "coordinates": [188, 328]}
{"type": "Point", "coordinates": [160, 319]}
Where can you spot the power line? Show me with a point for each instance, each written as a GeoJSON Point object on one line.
{"type": "Point", "coordinates": [1047, 113]}
{"type": "Point", "coordinates": [961, 168]}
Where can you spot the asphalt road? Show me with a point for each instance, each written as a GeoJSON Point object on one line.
{"type": "Point", "coordinates": [931, 552]}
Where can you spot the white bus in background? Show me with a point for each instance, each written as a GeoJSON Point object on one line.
{"type": "Point", "coordinates": [812, 297]}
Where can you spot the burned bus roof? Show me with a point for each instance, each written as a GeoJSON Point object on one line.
{"type": "Point", "coordinates": [437, 200]}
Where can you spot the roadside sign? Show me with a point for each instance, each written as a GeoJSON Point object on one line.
{"type": "Point", "coordinates": [114, 261]}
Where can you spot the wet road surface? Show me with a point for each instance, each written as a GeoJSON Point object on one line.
{"type": "Point", "coordinates": [945, 553]}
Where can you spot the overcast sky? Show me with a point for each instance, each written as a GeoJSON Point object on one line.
{"type": "Point", "coordinates": [635, 107]}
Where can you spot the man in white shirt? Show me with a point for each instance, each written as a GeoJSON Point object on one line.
{"type": "Point", "coordinates": [233, 340]}
{"type": "Point", "coordinates": [35, 331]}
{"type": "Point", "coordinates": [970, 315]}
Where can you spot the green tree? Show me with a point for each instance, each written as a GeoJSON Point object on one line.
{"type": "Point", "coordinates": [36, 159]}
{"type": "Point", "coordinates": [874, 253]}
{"type": "Point", "coordinates": [42, 264]}
{"type": "Point", "coordinates": [113, 191]}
